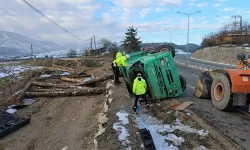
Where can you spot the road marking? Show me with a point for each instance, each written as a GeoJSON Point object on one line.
{"type": "Point", "coordinates": [190, 86]}
{"type": "Point", "coordinates": [195, 75]}
{"type": "Point", "coordinates": [244, 112]}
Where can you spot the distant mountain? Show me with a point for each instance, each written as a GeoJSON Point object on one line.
{"type": "Point", "coordinates": [13, 44]}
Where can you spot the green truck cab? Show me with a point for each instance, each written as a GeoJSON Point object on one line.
{"type": "Point", "coordinates": [159, 71]}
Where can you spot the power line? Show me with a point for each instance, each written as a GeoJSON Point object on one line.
{"type": "Point", "coordinates": [54, 23]}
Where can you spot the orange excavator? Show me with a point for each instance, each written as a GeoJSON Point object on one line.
{"type": "Point", "coordinates": [228, 88]}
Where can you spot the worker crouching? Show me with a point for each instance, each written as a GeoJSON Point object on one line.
{"type": "Point", "coordinates": [139, 90]}
{"type": "Point", "coordinates": [120, 61]}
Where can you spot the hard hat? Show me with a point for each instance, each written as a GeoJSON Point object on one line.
{"type": "Point", "coordinates": [127, 56]}
{"type": "Point", "coordinates": [138, 74]}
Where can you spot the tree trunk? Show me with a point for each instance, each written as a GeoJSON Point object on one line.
{"type": "Point", "coordinates": [41, 84]}
{"type": "Point", "coordinates": [96, 80]}
{"type": "Point", "coordinates": [78, 92]}
{"type": "Point", "coordinates": [72, 80]}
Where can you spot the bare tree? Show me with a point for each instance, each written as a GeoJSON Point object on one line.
{"type": "Point", "coordinates": [72, 53]}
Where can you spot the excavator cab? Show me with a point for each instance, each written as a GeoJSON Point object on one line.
{"type": "Point", "coordinates": [228, 88]}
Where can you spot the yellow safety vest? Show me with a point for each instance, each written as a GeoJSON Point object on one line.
{"type": "Point", "coordinates": [121, 61]}
{"type": "Point", "coordinates": [139, 87]}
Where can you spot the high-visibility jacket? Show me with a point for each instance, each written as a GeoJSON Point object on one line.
{"type": "Point", "coordinates": [118, 55]}
{"type": "Point", "coordinates": [139, 87]}
{"type": "Point", "coordinates": [121, 61]}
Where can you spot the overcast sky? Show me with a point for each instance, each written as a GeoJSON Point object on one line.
{"type": "Point", "coordinates": [110, 18]}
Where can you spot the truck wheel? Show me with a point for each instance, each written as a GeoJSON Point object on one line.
{"type": "Point", "coordinates": [221, 92]}
{"type": "Point", "coordinates": [183, 83]}
{"type": "Point", "coordinates": [166, 48]}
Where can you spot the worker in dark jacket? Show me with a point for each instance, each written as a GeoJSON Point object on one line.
{"type": "Point", "coordinates": [139, 90]}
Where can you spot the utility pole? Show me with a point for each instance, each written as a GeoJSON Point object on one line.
{"type": "Point", "coordinates": [91, 44]}
{"type": "Point", "coordinates": [31, 50]}
{"type": "Point", "coordinates": [170, 33]}
{"type": "Point", "coordinates": [241, 25]}
{"type": "Point", "coordinates": [94, 41]}
{"type": "Point", "coordinates": [188, 28]}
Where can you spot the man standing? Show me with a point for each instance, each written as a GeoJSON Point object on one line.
{"type": "Point", "coordinates": [139, 90]}
{"type": "Point", "coordinates": [117, 63]}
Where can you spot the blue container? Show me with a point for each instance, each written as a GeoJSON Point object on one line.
{"type": "Point", "coordinates": [138, 109]}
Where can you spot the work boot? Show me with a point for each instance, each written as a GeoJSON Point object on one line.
{"type": "Point", "coordinates": [134, 109]}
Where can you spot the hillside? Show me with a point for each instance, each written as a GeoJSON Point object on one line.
{"type": "Point", "coordinates": [13, 44]}
{"type": "Point", "coordinates": [226, 55]}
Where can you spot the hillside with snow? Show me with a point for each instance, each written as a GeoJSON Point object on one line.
{"type": "Point", "coordinates": [13, 44]}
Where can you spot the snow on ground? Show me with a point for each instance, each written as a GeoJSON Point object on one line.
{"type": "Point", "coordinates": [161, 132]}
{"type": "Point", "coordinates": [55, 54]}
{"type": "Point", "coordinates": [121, 129]}
{"type": "Point", "coordinates": [180, 52]}
{"type": "Point", "coordinates": [15, 70]}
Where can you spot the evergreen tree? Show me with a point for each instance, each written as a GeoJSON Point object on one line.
{"type": "Point", "coordinates": [131, 43]}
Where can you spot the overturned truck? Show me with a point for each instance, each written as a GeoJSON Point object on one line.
{"type": "Point", "coordinates": [159, 71]}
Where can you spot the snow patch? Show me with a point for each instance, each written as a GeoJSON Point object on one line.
{"type": "Point", "coordinates": [175, 139]}
{"type": "Point", "coordinates": [65, 74]}
{"type": "Point", "coordinates": [180, 52]}
{"type": "Point", "coordinates": [120, 128]}
{"type": "Point", "coordinates": [15, 70]}
{"type": "Point", "coordinates": [201, 148]}
{"type": "Point", "coordinates": [45, 76]}
{"type": "Point", "coordinates": [161, 132]}
{"type": "Point", "coordinates": [11, 110]}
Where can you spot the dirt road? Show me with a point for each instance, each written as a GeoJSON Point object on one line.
{"type": "Point", "coordinates": [67, 122]}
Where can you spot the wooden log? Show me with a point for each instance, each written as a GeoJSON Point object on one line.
{"type": "Point", "coordinates": [19, 96]}
{"type": "Point", "coordinates": [78, 92]}
{"type": "Point", "coordinates": [96, 80]}
{"type": "Point", "coordinates": [68, 76]}
{"type": "Point", "coordinates": [49, 90]}
{"type": "Point", "coordinates": [61, 69]}
{"type": "Point", "coordinates": [72, 80]}
{"type": "Point", "coordinates": [41, 84]}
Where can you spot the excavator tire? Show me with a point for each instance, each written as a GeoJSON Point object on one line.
{"type": "Point", "coordinates": [183, 83]}
{"type": "Point", "coordinates": [166, 48]}
{"type": "Point", "coordinates": [221, 92]}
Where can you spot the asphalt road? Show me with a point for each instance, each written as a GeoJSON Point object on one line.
{"type": "Point", "coordinates": [235, 125]}
{"type": "Point", "coordinates": [183, 57]}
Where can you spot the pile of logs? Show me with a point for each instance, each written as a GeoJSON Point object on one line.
{"type": "Point", "coordinates": [80, 88]}
{"type": "Point", "coordinates": [45, 89]}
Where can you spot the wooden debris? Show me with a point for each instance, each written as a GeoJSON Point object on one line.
{"type": "Point", "coordinates": [62, 69]}
{"type": "Point", "coordinates": [96, 80]}
{"type": "Point", "coordinates": [42, 84]}
{"type": "Point", "coordinates": [72, 80]}
{"type": "Point", "coordinates": [183, 105]}
{"type": "Point", "coordinates": [70, 92]}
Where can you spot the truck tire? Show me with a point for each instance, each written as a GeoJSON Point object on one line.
{"type": "Point", "coordinates": [166, 48]}
{"type": "Point", "coordinates": [183, 83]}
{"type": "Point", "coordinates": [221, 92]}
